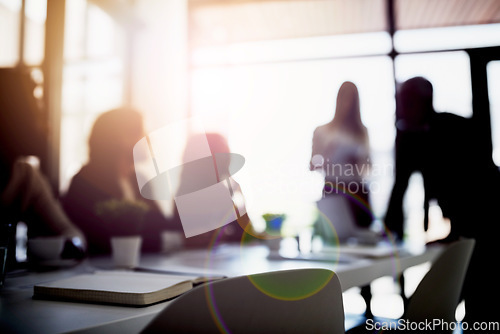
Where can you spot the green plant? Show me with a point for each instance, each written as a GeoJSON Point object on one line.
{"type": "Point", "coordinates": [122, 217]}
{"type": "Point", "coordinates": [274, 222]}
{"type": "Point", "coordinates": [271, 216]}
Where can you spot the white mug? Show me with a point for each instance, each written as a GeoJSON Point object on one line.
{"type": "Point", "coordinates": [126, 251]}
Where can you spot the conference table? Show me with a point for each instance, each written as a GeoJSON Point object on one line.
{"type": "Point", "coordinates": [354, 266]}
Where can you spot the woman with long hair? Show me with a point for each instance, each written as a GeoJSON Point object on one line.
{"type": "Point", "coordinates": [109, 174]}
{"type": "Point", "coordinates": [341, 150]}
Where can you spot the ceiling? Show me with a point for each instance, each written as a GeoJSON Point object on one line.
{"type": "Point", "coordinates": [215, 22]}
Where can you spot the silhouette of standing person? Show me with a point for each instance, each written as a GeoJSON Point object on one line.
{"type": "Point", "coordinates": [442, 146]}
{"type": "Point", "coordinates": [341, 151]}
{"type": "Point", "coordinates": [414, 111]}
{"type": "Point", "coordinates": [434, 144]}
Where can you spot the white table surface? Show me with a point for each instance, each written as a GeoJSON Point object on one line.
{"type": "Point", "coordinates": [20, 313]}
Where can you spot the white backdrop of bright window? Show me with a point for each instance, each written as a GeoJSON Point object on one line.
{"type": "Point", "coordinates": [268, 97]}
{"type": "Point", "coordinates": [268, 112]}
{"type": "Point", "coordinates": [93, 76]}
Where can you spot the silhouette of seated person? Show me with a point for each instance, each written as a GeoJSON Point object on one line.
{"type": "Point", "coordinates": [109, 174]}
{"type": "Point", "coordinates": [340, 150]}
{"type": "Point", "coordinates": [443, 147]}
{"type": "Point", "coordinates": [25, 193]}
{"type": "Point", "coordinates": [232, 232]}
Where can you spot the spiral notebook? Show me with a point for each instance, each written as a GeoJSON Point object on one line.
{"type": "Point", "coordinates": [118, 287]}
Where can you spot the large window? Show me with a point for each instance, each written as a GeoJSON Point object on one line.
{"type": "Point", "coordinates": [22, 33]}
{"type": "Point", "coordinates": [93, 79]}
{"type": "Point", "coordinates": [9, 32]}
{"type": "Point", "coordinates": [269, 110]}
{"type": "Point", "coordinates": [267, 97]}
{"type": "Point", "coordinates": [34, 34]}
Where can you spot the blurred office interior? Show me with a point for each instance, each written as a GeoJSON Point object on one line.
{"type": "Point", "coordinates": [264, 73]}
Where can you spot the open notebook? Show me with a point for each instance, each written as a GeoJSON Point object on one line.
{"type": "Point", "coordinates": [118, 287]}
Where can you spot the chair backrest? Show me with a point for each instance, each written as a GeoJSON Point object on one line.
{"type": "Point", "coordinates": [289, 301]}
{"type": "Point", "coordinates": [437, 295]}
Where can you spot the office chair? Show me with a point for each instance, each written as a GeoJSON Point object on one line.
{"type": "Point", "coordinates": [438, 294]}
{"type": "Point", "coordinates": [310, 301]}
